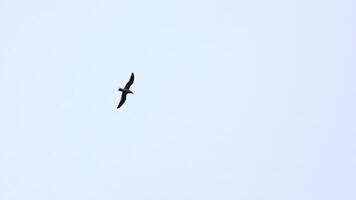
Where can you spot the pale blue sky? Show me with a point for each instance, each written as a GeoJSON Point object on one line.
{"type": "Point", "coordinates": [251, 100]}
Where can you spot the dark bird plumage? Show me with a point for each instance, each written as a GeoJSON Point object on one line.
{"type": "Point", "coordinates": [126, 90]}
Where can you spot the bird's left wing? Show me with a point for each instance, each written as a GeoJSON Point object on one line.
{"type": "Point", "coordinates": [128, 84]}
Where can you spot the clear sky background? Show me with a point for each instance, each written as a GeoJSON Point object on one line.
{"type": "Point", "coordinates": [252, 100]}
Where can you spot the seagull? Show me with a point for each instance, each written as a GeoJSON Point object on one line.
{"type": "Point", "coordinates": [126, 90]}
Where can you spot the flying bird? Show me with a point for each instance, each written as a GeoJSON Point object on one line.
{"type": "Point", "coordinates": [126, 90]}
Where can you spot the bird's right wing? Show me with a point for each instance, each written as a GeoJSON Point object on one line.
{"type": "Point", "coordinates": [128, 84]}
{"type": "Point", "coordinates": [123, 99]}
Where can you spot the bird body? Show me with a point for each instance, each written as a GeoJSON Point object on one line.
{"type": "Point", "coordinates": [126, 90]}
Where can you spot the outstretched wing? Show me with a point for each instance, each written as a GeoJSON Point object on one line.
{"type": "Point", "coordinates": [128, 84]}
{"type": "Point", "coordinates": [123, 99]}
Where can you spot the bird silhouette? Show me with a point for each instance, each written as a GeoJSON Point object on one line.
{"type": "Point", "coordinates": [126, 90]}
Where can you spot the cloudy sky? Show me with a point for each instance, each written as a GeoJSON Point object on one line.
{"type": "Point", "coordinates": [233, 100]}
